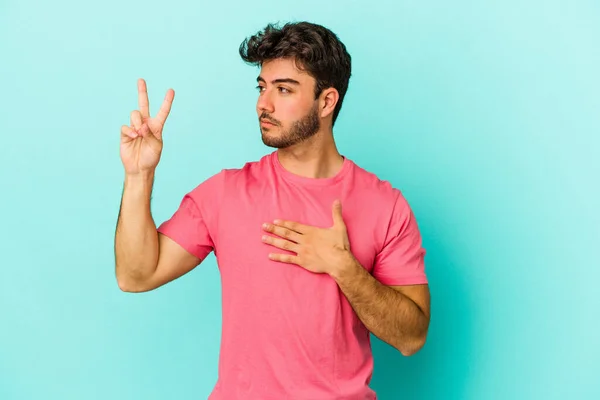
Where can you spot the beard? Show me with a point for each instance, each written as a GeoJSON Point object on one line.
{"type": "Point", "coordinates": [300, 130]}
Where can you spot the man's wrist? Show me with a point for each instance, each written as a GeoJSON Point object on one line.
{"type": "Point", "coordinates": [345, 268]}
{"type": "Point", "coordinates": [139, 185]}
{"type": "Point", "coordinates": [142, 177]}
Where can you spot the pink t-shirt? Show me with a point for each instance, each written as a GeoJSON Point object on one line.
{"type": "Point", "coordinates": [288, 333]}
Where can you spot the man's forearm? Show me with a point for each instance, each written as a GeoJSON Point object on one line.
{"type": "Point", "coordinates": [387, 313]}
{"type": "Point", "coordinates": [136, 239]}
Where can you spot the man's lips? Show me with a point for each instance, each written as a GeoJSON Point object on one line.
{"type": "Point", "coordinates": [266, 123]}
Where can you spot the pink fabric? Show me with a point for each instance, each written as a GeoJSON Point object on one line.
{"type": "Point", "coordinates": [288, 333]}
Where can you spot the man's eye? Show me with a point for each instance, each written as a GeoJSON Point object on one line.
{"type": "Point", "coordinates": [281, 89]}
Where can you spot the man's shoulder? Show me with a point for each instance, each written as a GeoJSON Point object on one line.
{"type": "Point", "coordinates": [374, 185]}
{"type": "Point", "coordinates": [231, 175]}
{"type": "Point", "coordinates": [383, 195]}
{"type": "Point", "coordinates": [246, 169]}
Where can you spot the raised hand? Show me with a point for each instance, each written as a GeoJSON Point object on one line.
{"type": "Point", "coordinates": [141, 142]}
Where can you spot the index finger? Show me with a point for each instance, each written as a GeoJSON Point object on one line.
{"type": "Point", "coordinates": [291, 225]}
{"type": "Point", "coordinates": [165, 108]}
{"type": "Point", "coordinates": [143, 99]}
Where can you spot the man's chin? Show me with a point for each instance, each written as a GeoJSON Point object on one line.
{"type": "Point", "coordinates": [274, 144]}
{"type": "Point", "coordinates": [271, 140]}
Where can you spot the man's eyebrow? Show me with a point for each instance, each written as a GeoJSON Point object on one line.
{"type": "Point", "coordinates": [281, 80]}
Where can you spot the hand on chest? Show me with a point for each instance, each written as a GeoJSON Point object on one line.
{"type": "Point", "coordinates": [281, 230]}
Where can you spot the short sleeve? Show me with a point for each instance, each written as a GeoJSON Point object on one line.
{"type": "Point", "coordinates": [401, 261]}
{"type": "Point", "coordinates": [193, 222]}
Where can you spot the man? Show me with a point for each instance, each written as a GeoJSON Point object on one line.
{"type": "Point", "coordinates": [314, 251]}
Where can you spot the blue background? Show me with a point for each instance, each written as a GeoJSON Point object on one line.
{"type": "Point", "coordinates": [486, 116]}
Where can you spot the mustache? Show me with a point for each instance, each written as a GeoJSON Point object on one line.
{"type": "Point", "coordinates": [266, 116]}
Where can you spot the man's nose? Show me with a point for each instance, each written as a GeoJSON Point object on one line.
{"type": "Point", "coordinates": [264, 103]}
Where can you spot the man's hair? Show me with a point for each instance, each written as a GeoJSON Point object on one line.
{"type": "Point", "coordinates": [314, 48]}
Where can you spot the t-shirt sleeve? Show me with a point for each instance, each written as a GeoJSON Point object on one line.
{"type": "Point", "coordinates": [401, 261]}
{"type": "Point", "coordinates": [192, 225]}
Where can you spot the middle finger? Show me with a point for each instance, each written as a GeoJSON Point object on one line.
{"type": "Point", "coordinates": [282, 232]}
{"type": "Point", "coordinates": [281, 243]}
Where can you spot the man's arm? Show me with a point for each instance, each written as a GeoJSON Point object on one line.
{"type": "Point", "coordinates": [398, 315]}
{"type": "Point", "coordinates": [144, 258]}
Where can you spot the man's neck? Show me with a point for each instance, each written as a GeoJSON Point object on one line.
{"type": "Point", "coordinates": [312, 159]}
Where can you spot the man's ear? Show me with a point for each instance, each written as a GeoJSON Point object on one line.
{"type": "Point", "coordinates": [328, 100]}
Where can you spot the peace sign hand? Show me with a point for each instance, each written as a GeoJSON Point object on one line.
{"type": "Point", "coordinates": [141, 142]}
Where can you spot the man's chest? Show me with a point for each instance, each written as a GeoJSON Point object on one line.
{"type": "Point", "coordinates": [239, 229]}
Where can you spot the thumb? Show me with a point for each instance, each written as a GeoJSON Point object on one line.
{"type": "Point", "coordinates": [152, 140]}
{"type": "Point", "coordinates": [338, 220]}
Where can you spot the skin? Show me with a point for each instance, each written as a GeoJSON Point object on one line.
{"type": "Point", "coordinates": [301, 129]}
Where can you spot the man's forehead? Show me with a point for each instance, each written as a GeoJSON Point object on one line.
{"type": "Point", "coordinates": [282, 69]}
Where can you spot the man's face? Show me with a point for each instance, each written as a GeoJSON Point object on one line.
{"type": "Point", "coordinates": [287, 110]}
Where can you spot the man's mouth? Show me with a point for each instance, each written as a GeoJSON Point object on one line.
{"type": "Point", "coordinates": [266, 122]}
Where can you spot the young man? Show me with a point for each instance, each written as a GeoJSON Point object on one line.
{"type": "Point", "coordinates": [314, 251]}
